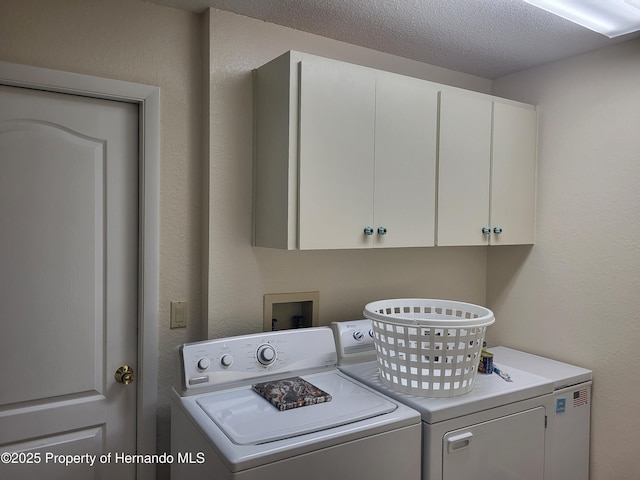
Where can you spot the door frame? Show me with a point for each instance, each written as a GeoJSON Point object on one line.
{"type": "Point", "coordinates": [148, 100]}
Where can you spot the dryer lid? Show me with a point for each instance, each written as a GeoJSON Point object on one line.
{"type": "Point", "coordinates": [246, 418]}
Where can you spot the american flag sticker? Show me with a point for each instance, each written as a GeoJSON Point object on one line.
{"type": "Point", "coordinates": [580, 397]}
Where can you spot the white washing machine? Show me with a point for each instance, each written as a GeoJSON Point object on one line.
{"type": "Point", "coordinates": [221, 428]}
{"type": "Point", "coordinates": [497, 431]}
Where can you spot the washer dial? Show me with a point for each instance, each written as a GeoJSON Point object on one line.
{"type": "Point", "coordinates": [266, 354]}
{"type": "Point", "coordinates": [203, 364]}
{"type": "Point", "coordinates": [226, 360]}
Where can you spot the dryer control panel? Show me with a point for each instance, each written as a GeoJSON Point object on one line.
{"type": "Point", "coordinates": [354, 341]}
{"type": "Point", "coordinates": [222, 363]}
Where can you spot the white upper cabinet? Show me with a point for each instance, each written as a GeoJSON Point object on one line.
{"type": "Point", "coordinates": [354, 167]}
{"type": "Point", "coordinates": [464, 169]}
{"type": "Point", "coordinates": [513, 175]}
{"type": "Point", "coordinates": [486, 174]}
{"type": "Point", "coordinates": [346, 157]}
{"type": "Point", "coordinates": [336, 168]}
{"type": "Point", "coordinates": [405, 162]}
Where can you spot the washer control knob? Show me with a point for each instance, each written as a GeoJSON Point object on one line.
{"type": "Point", "coordinates": [266, 354]}
{"type": "Point", "coordinates": [203, 364]}
{"type": "Point", "coordinates": [358, 335]}
{"type": "Point", "coordinates": [371, 332]}
{"type": "Point", "coordinates": [226, 360]}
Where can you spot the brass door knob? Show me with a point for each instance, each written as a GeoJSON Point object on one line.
{"type": "Point", "coordinates": [124, 374]}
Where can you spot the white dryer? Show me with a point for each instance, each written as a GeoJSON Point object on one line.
{"type": "Point", "coordinates": [498, 430]}
{"type": "Point", "coordinates": [222, 429]}
{"type": "Point", "coordinates": [570, 421]}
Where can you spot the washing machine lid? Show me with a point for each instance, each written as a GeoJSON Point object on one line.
{"type": "Point", "coordinates": [246, 418]}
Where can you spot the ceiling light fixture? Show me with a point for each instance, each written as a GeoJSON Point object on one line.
{"type": "Point", "coordinates": [611, 18]}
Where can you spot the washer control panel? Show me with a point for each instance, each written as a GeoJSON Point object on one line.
{"type": "Point", "coordinates": [355, 342]}
{"type": "Point", "coordinates": [224, 362]}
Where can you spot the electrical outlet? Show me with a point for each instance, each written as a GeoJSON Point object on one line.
{"type": "Point", "coordinates": [179, 314]}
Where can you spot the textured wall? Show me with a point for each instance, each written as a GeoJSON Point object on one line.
{"type": "Point", "coordinates": [575, 295]}
{"type": "Point", "coordinates": [147, 44]}
{"type": "Point", "coordinates": [239, 275]}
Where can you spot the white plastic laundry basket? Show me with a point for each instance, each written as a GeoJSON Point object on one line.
{"type": "Point", "coordinates": [428, 347]}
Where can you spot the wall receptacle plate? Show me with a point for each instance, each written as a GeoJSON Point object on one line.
{"type": "Point", "coordinates": [179, 314]}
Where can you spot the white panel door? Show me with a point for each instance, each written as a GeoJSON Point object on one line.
{"type": "Point", "coordinates": [513, 175]}
{"type": "Point", "coordinates": [336, 158]}
{"type": "Point", "coordinates": [463, 169]}
{"type": "Point", "coordinates": [68, 250]}
{"type": "Point", "coordinates": [506, 448]}
{"type": "Point", "coordinates": [405, 162]}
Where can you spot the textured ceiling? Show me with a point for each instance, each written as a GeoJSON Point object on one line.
{"type": "Point", "coordinates": [488, 38]}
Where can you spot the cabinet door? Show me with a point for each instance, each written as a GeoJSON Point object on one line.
{"type": "Point", "coordinates": [405, 162]}
{"type": "Point", "coordinates": [504, 448]}
{"type": "Point", "coordinates": [463, 169]}
{"type": "Point", "coordinates": [336, 129]}
{"type": "Point", "coordinates": [513, 177]}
